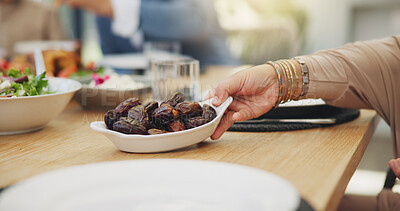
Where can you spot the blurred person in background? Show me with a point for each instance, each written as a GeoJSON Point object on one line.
{"type": "Point", "coordinates": [124, 26]}
{"type": "Point", "coordinates": [357, 75]}
{"type": "Point", "coordinates": [24, 20]}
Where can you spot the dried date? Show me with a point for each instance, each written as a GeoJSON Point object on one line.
{"type": "Point", "coordinates": [139, 114]}
{"type": "Point", "coordinates": [163, 115]}
{"type": "Point", "coordinates": [195, 122]}
{"type": "Point", "coordinates": [189, 109]}
{"type": "Point", "coordinates": [131, 117]}
{"type": "Point", "coordinates": [110, 118]}
{"type": "Point", "coordinates": [176, 126]}
{"type": "Point", "coordinates": [209, 113]}
{"type": "Point", "coordinates": [174, 99]}
{"type": "Point", "coordinates": [127, 126]}
{"type": "Point", "coordinates": [150, 107]}
{"type": "Point", "coordinates": [125, 106]}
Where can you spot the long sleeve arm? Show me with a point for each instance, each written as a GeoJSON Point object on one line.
{"type": "Point", "coordinates": [360, 75]}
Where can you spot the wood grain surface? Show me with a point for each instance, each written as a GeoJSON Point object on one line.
{"type": "Point", "coordinates": [318, 162]}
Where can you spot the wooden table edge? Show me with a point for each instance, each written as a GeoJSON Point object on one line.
{"type": "Point", "coordinates": [335, 199]}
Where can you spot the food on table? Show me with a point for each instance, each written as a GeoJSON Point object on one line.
{"type": "Point", "coordinates": [110, 118]}
{"type": "Point", "coordinates": [58, 63]}
{"type": "Point", "coordinates": [17, 84]}
{"type": "Point", "coordinates": [164, 115]}
{"type": "Point", "coordinates": [195, 122]}
{"type": "Point", "coordinates": [176, 125]}
{"type": "Point", "coordinates": [172, 115]}
{"type": "Point", "coordinates": [208, 112]}
{"type": "Point", "coordinates": [189, 108]}
{"type": "Point", "coordinates": [174, 99]}
{"type": "Point", "coordinates": [150, 107]}
{"type": "Point", "coordinates": [129, 126]}
{"type": "Point", "coordinates": [67, 64]}
{"type": "Point", "coordinates": [124, 107]}
{"type": "Point", "coordinates": [114, 81]}
{"type": "Point", "coordinates": [139, 114]}
{"type": "Point", "coordinates": [61, 63]}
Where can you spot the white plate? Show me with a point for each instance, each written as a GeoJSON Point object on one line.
{"type": "Point", "coordinates": [125, 61]}
{"type": "Point", "coordinates": [156, 184]}
{"type": "Point", "coordinates": [135, 60]}
{"type": "Point", "coordinates": [162, 142]}
{"type": "Point", "coordinates": [305, 102]}
{"type": "Point", "coordinates": [26, 47]}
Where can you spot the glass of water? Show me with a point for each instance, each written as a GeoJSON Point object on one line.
{"type": "Point", "coordinates": [161, 50]}
{"type": "Point", "coordinates": [177, 75]}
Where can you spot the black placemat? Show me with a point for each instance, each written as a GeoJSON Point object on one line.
{"type": "Point", "coordinates": [304, 206]}
{"type": "Point", "coordinates": [340, 115]}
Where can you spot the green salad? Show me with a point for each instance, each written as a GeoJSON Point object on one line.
{"type": "Point", "coordinates": [17, 84]}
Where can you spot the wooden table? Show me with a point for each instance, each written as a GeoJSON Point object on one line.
{"type": "Point", "coordinates": [319, 162]}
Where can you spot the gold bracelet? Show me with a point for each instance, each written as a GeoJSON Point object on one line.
{"type": "Point", "coordinates": [296, 79]}
{"type": "Point", "coordinates": [285, 84]}
{"type": "Point", "coordinates": [290, 81]}
{"type": "Point", "coordinates": [273, 64]}
{"type": "Point", "coordinates": [281, 86]}
{"type": "Point", "coordinates": [305, 75]}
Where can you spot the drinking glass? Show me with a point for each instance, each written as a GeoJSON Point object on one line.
{"type": "Point", "coordinates": [161, 50]}
{"type": "Point", "coordinates": [178, 75]}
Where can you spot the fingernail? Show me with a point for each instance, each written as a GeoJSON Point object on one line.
{"type": "Point", "coordinates": [236, 116]}
{"type": "Point", "coordinates": [215, 100]}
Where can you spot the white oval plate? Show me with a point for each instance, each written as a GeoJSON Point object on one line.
{"type": "Point", "coordinates": [304, 102]}
{"type": "Point", "coordinates": [154, 184]}
{"type": "Point", "coordinates": [125, 61]}
{"type": "Point", "coordinates": [162, 142]}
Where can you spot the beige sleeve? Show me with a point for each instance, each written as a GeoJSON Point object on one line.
{"type": "Point", "coordinates": [360, 75]}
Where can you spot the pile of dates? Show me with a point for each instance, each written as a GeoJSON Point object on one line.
{"type": "Point", "coordinates": [173, 114]}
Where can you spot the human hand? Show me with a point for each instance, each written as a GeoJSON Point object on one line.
{"type": "Point", "coordinates": [395, 166]}
{"type": "Point", "coordinates": [254, 92]}
{"type": "Point", "coordinates": [100, 7]}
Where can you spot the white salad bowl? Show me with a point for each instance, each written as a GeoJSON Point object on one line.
{"type": "Point", "coordinates": [31, 113]}
{"type": "Point", "coordinates": [162, 142]}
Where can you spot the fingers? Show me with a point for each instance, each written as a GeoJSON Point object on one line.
{"type": "Point", "coordinates": [226, 121]}
{"type": "Point", "coordinates": [248, 108]}
{"type": "Point", "coordinates": [395, 166]}
{"type": "Point", "coordinates": [226, 88]}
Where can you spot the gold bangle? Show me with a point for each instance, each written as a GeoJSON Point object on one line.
{"type": "Point", "coordinates": [285, 84]}
{"type": "Point", "coordinates": [290, 80]}
{"type": "Point", "coordinates": [280, 88]}
{"type": "Point", "coordinates": [290, 94]}
{"type": "Point", "coordinates": [296, 79]}
{"type": "Point", "coordinates": [273, 64]}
